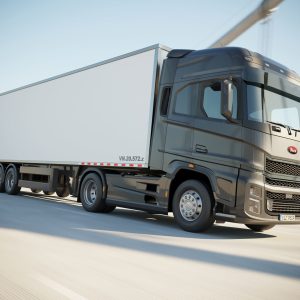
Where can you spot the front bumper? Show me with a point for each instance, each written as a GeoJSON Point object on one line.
{"type": "Point", "coordinates": [255, 203]}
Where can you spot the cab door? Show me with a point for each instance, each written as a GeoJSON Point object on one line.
{"type": "Point", "coordinates": [217, 142]}
{"type": "Point", "coordinates": [180, 122]}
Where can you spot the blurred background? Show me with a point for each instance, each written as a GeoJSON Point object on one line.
{"type": "Point", "coordinates": [40, 39]}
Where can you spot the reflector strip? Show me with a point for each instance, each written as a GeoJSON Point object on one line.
{"type": "Point", "coordinates": [102, 164]}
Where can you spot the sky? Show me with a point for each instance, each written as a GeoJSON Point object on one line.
{"type": "Point", "coordinates": [44, 38]}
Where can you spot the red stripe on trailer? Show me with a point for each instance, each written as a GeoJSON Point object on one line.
{"type": "Point", "coordinates": [102, 164]}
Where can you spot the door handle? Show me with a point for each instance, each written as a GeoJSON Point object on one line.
{"type": "Point", "coordinates": [200, 148]}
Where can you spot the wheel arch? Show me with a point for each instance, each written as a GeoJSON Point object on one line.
{"type": "Point", "coordinates": [185, 173]}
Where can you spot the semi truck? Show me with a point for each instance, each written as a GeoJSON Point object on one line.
{"type": "Point", "coordinates": [209, 135]}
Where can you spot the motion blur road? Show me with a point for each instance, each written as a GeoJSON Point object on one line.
{"type": "Point", "coordinates": [52, 249]}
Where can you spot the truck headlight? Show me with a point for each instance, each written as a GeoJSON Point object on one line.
{"type": "Point", "coordinates": [255, 191]}
{"type": "Point", "coordinates": [254, 206]}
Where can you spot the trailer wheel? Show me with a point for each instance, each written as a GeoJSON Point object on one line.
{"type": "Point", "coordinates": [48, 193]}
{"type": "Point", "coordinates": [63, 192]}
{"type": "Point", "coordinates": [2, 179]}
{"type": "Point", "coordinates": [259, 228]}
{"type": "Point", "coordinates": [11, 181]}
{"type": "Point", "coordinates": [192, 206]}
{"type": "Point", "coordinates": [91, 194]}
{"type": "Point", "coordinates": [36, 191]}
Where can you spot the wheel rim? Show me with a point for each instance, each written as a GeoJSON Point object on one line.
{"type": "Point", "coordinates": [10, 181]}
{"type": "Point", "coordinates": [90, 192]}
{"type": "Point", "coordinates": [190, 205]}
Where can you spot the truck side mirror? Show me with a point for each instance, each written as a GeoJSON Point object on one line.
{"type": "Point", "coordinates": [227, 100]}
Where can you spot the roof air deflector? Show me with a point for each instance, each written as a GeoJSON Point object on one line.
{"type": "Point", "coordinates": [179, 53]}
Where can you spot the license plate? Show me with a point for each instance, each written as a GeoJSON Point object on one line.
{"type": "Point", "coordinates": [287, 217]}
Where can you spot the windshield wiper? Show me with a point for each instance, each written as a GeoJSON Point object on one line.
{"type": "Point", "coordinates": [288, 128]}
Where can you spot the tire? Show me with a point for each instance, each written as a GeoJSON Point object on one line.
{"type": "Point", "coordinates": [48, 193]}
{"type": "Point", "coordinates": [63, 192]}
{"type": "Point", "coordinates": [36, 191]}
{"type": "Point", "coordinates": [192, 206]}
{"type": "Point", "coordinates": [91, 195]}
{"type": "Point", "coordinates": [64, 189]}
{"type": "Point", "coordinates": [259, 228]}
{"type": "Point", "coordinates": [2, 179]}
{"type": "Point", "coordinates": [11, 181]}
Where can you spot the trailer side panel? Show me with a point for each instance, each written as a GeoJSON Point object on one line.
{"type": "Point", "coordinates": [100, 115]}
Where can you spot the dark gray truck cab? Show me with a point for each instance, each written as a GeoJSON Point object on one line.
{"type": "Point", "coordinates": [247, 161]}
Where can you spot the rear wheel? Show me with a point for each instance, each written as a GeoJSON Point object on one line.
{"type": "Point", "coordinates": [48, 193]}
{"type": "Point", "coordinates": [64, 189]}
{"type": "Point", "coordinates": [259, 228]}
{"type": "Point", "coordinates": [91, 195]}
{"type": "Point", "coordinates": [63, 192]}
{"type": "Point", "coordinates": [11, 181]}
{"type": "Point", "coordinates": [192, 206]}
{"type": "Point", "coordinates": [2, 179]}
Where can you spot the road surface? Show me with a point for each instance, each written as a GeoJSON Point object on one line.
{"type": "Point", "coordinates": [51, 248]}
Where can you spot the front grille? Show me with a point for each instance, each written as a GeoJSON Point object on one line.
{"type": "Point", "coordinates": [291, 184]}
{"type": "Point", "coordinates": [284, 207]}
{"type": "Point", "coordinates": [282, 168]}
{"type": "Point", "coordinates": [279, 203]}
{"type": "Point", "coordinates": [282, 196]}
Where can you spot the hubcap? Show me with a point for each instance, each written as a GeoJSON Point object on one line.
{"type": "Point", "coordinates": [90, 192]}
{"type": "Point", "coordinates": [190, 205]}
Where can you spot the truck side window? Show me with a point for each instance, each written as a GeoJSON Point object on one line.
{"type": "Point", "coordinates": [165, 101]}
{"type": "Point", "coordinates": [254, 104]}
{"type": "Point", "coordinates": [212, 101]}
{"type": "Point", "coordinates": [186, 99]}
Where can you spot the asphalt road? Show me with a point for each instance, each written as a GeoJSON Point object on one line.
{"type": "Point", "coordinates": [53, 249]}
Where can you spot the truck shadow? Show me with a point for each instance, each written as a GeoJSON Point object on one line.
{"type": "Point", "coordinates": [132, 230]}
{"type": "Point", "coordinates": [160, 224]}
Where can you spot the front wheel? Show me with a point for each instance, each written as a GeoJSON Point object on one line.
{"type": "Point", "coordinates": [192, 206]}
{"type": "Point", "coordinates": [259, 228]}
{"type": "Point", "coordinates": [91, 195]}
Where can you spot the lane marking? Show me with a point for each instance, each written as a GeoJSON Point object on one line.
{"type": "Point", "coordinates": [59, 288]}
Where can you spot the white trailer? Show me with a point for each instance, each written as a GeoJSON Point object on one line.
{"type": "Point", "coordinates": [97, 115]}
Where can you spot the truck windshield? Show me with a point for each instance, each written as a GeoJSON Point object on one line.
{"type": "Point", "coordinates": [275, 108]}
